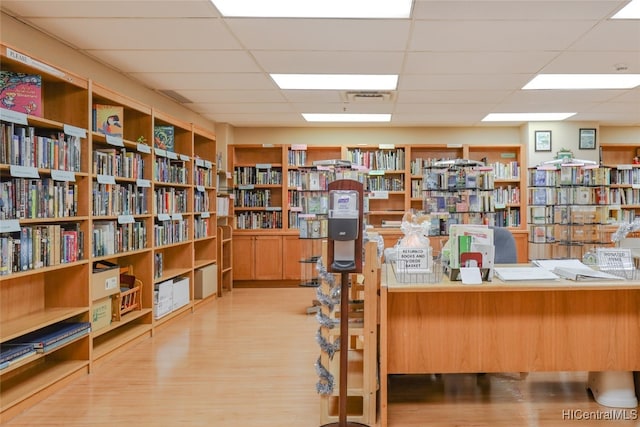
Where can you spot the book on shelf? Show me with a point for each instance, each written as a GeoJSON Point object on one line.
{"type": "Point", "coordinates": [164, 137]}
{"type": "Point", "coordinates": [21, 92]}
{"type": "Point", "coordinates": [108, 119]}
{"type": "Point", "coordinates": [52, 336]}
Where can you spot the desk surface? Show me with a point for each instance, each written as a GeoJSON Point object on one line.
{"type": "Point", "coordinates": [389, 280]}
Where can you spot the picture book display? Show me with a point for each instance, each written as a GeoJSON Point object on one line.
{"type": "Point", "coordinates": [164, 137]}
{"type": "Point", "coordinates": [108, 119]}
{"type": "Point", "coordinates": [21, 92]}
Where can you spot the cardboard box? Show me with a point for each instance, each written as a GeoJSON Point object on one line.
{"type": "Point", "coordinates": [181, 292]}
{"type": "Point", "coordinates": [101, 314]}
{"type": "Point", "coordinates": [205, 281]}
{"type": "Point", "coordinates": [105, 282]}
{"type": "Point", "coordinates": [163, 298]}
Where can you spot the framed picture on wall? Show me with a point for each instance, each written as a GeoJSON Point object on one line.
{"type": "Point", "coordinates": [543, 140]}
{"type": "Point", "coordinates": [587, 139]}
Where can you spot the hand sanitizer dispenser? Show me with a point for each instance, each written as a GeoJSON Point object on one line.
{"type": "Point", "coordinates": [344, 224]}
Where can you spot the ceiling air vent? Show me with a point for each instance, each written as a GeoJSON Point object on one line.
{"type": "Point", "coordinates": [176, 96]}
{"type": "Point", "coordinates": [368, 96]}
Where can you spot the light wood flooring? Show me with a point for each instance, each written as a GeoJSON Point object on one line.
{"type": "Point", "coordinates": [247, 360]}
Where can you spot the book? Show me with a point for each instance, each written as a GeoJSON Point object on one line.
{"type": "Point", "coordinates": [52, 336]}
{"type": "Point", "coordinates": [108, 119]}
{"type": "Point", "coordinates": [508, 274]}
{"type": "Point", "coordinates": [21, 92]}
{"type": "Point", "coordinates": [10, 352]}
{"type": "Point", "coordinates": [164, 137]}
{"type": "Point", "coordinates": [584, 274]}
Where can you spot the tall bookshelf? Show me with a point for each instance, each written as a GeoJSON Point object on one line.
{"type": "Point", "coordinates": [96, 198]}
{"type": "Point", "coordinates": [623, 159]}
{"type": "Point", "coordinates": [46, 285]}
{"type": "Point", "coordinates": [121, 216]}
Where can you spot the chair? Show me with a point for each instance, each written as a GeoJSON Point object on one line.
{"type": "Point", "coordinates": [505, 246]}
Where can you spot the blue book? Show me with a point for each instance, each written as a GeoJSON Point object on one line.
{"type": "Point", "coordinates": [49, 335]}
{"type": "Point", "coordinates": [10, 352]}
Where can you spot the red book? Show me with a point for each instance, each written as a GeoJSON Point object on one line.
{"type": "Point", "coordinates": [21, 92]}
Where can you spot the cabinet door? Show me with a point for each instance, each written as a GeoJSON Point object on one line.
{"type": "Point", "coordinates": [268, 257]}
{"type": "Point", "coordinates": [243, 257]}
{"type": "Point", "coordinates": [292, 254]}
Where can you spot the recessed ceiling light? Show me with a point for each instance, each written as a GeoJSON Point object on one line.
{"type": "Point", "coordinates": [584, 81]}
{"type": "Point", "coordinates": [526, 117]}
{"type": "Point", "coordinates": [336, 81]}
{"type": "Point", "coordinates": [348, 117]}
{"type": "Point", "coordinates": [315, 8]}
{"type": "Point", "coordinates": [630, 11]}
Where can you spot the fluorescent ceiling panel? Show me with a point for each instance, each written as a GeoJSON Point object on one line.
{"type": "Point", "coordinates": [583, 81]}
{"type": "Point", "coordinates": [336, 81]}
{"type": "Point", "coordinates": [526, 117]}
{"type": "Point", "coordinates": [396, 9]}
{"type": "Point", "coordinates": [311, 117]}
{"type": "Point", "coordinates": [630, 11]}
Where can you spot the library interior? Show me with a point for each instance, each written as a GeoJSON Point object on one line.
{"type": "Point", "coordinates": [212, 215]}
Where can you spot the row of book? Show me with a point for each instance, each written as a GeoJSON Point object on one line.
{"type": "Point", "coordinates": [311, 180]}
{"type": "Point", "coordinates": [296, 157]}
{"type": "Point", "coordinates": [169, 200]}
{"type": "Point", "coordinates": [570, 175]}
{"type": "Point", "coordinates": [252, 198]}
{"type": "Point", "coordinates": [460, 203]}
{"type": "Point", "coordinates": [201, 227]}
{"type": "Point", "coordinates": [40, 246]}
{"type": "Point", "coordinates": [569, 214]}
{"type": "Point", "coordinates": [43, 340]}
{"type": "Point", "coordinates": [118, 199]}
{"type": "Point", "coordinates": [418, 164]}
{"type": "Point", "coordinates": [170, 170]}
{"type": "Point", "coordinates": [37, 198]}
{"type": "Point", "coordinates": [169, 232]}
{"type": "Point", "coordinates": [222, 206]}
{"type": "Point", "coordinates": [201, 202]}
{"type": "Point", "coordinates": [504, 196]}
{"type": "Point", "coordinates": [203, 177]}
{"type": "Point", "coordinates": [384, 183]}
{"type": "Point", "coordinates": [628, 175]}
{"type": "Point", "coordinates": [313, 228]}
{"type": "Point", "coordinates": [458, 179]}
{"type": "Point", "coordinates": [625, 196]}
{"type": "Point", "coordinates": [110, 238]}
{"type": "Point", "coordinates": [249, 175]}
{"type": "Point", "coordinates": [569, 196]}
{"type": "Point", "coordinates": [118, 162]}
{"type": "Point", "coordinates": [379, 159]}
{"type": "Point", "coordinates": [22, 146]}
{"type": "Point", "coordinates": [258, 220]}
{"type": "Point", "coordinates": [592, 234]}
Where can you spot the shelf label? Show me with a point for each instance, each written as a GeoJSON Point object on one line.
{"type": "Point", "coordinates": [267, 145]}
{"type": "Point", "coordinates": [263, 165]}
{"type": "Point", "coordinates": [106, 179]}
{"type": "Point", "coordinates": [160, 152]}
{"type": "Point", "coordinates": [164, 217]}
{"type": "Point", "coordinates": [143, 183]}
{"type": "Point", "coordinates": [624, 167]}
{"type": "Point", "coordinates": [205, 214]}
{"type": "Point", "coordinates": [386, 146]}
{"type": "Point", "coordinates": [635, 186]}
{"type": "Point", "coordinates": [75, 131]}
{"type": "Point", "coordinates": [176, 217]}
{"type": "Point", "coordinates": [9, 225]}
{"type": "Point", "coordinates": [454, 145]}
{"type": "Point", "coordinates": [299, 147]}
{"type": "Point", "coordinates": [126, 219]}
{"type": "Point", "coordinates": [184, 157]}
{"type": "Point", "coordinates": [208, 164]}
{"type": "Point", "coordinates": [380, 194]}
{"type": "Point", "coordinates": [18, 171]}
{"type": "Point", "coordinates": [507, 155]}
{"type": "Point", "coordinates": [273, 208]}
{"type": "Point", "coordinates": [232, 196]}
{"type": "Point", "coordinates": [200, 163]}
{"type": "Point", "coordinates": [171, 155]}
{"type": "Point", "coordinates": [200, 188]}
{"type": "Point", "coordinates": [20, 57]}
{"type": "Point", "coordinates": [13, 117]}
{"type": "Point", "coordinates": [376, 172]}
{"type": "Point", "coordinates": [143, 148]}
{"type": "Point", "coordinates": [229, 176]}
{"type": "Point", "coordinates": [359, 167]}
{"type": "Point", "coordinates": [67, 176]}
{"type": "Point", "coordinates": [115, 141]}
{"type": "Point", "coordinates": [246, 187]}
{"type": "Point", "coordinates": [500, 206]}
{"type": "Point", "coordinates": [296, 209]}
{"type": "Point", "coordinates": [307, 216]}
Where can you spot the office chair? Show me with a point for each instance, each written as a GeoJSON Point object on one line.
{"type": "Point", "coordinates": [505, 246]}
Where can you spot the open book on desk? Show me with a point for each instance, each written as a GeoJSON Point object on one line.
{"type": "Point", "coordinates": [509, 274]}
{"type": "Point", "coordinates": [577, 273]}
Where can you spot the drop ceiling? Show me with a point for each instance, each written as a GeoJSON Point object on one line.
{"type": "Point", "coordinates": [457, 60]}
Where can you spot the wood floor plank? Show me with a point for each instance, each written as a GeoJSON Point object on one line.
{"type": "Point", "coordinates": [247, 360]}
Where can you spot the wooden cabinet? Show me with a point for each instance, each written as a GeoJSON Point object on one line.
{"type": "Point", "coordinates": [257, 257]}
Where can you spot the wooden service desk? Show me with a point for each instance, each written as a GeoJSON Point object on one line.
{"type": "Point", "coordinates": [523, 326]}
